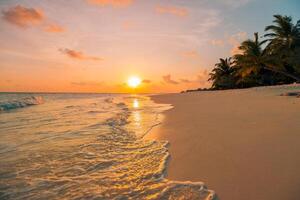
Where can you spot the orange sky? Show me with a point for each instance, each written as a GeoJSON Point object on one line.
{"type": "Point", "coordinates": [96, 45]}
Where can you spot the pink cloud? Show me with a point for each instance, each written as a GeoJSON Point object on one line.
{"type": "Point", "coordinates": [238, 37]}
{"type": "Point", "coordinates": [185, 80]}
{"type": "Point", "coordinates": [191, 54]}
{"type": "Point", "coordinates": [23, 17]}
{"type": "Point", "coordinates": [169, 80]}
{"type": "Point", "coordinates": [201, 78]}
{"type": "Point", "coordinates": [172, 10]}
{"type": "Point", "coordinates": [235, 41]}
{"type": "Point", "coordinates": [78, 55]}
{"type": "Point", "coordinates": [114, 3]}
{"type": "Point", "coordinates": [217, 42]}
{"type": "Point", "coordinates": [54, 28]}
{"type": "Point", "coordinates": [235, 50]}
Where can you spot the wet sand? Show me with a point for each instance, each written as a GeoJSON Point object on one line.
{"type": "Point", "coordinates": [244, 144]}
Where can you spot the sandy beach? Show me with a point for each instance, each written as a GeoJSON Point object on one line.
{"type": "Point", "coordinates": [244, 144]}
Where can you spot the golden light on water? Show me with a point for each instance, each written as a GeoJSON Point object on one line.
{"type": "Point", "coordinates": [136, 103]}
{"type": "Point", "coordinates": [134, 81]}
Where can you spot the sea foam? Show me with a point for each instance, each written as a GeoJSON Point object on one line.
{"type": "Point", "coordinates": [68, 153]}
{"type": "Point", "coordinates": [21, 103]}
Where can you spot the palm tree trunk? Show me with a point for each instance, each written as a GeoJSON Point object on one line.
{"type": "Point", "coordinates": [296, 78]}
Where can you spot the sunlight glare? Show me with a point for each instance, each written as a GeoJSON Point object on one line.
{"type": "Point", "coordinates": [136, 103]}
{"type": "Point", "coordinates": [134, 81]}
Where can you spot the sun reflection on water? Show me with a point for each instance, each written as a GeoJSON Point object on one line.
{"type": "Point", "coordinates": [137, 118]}
{"type": "Point", "coordinates": [136, 113]}
{"type": "Point", "coordinates": [136, 103]}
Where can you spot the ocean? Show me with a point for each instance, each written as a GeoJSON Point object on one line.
{"type": "Point", "coordinates": [85, 146]}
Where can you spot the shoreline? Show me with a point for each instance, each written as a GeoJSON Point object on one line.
{"type": "Point", "coordinates": [204, 131]}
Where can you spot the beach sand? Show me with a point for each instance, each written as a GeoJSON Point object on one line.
{"type": "Point", "coordinates": [244, 144]}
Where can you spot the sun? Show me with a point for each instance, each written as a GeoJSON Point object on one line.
{"type": "Point", "coordinates": [134, 81]}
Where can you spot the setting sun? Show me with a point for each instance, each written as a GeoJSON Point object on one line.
{"type": "Point", "coordinates": [134, 81]}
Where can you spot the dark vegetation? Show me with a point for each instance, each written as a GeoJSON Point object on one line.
{"type": "Point", "coordinates": [271, 59]}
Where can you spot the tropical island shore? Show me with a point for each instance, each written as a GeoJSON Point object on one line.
{"type": "Point", "coordinates": [244, 144]}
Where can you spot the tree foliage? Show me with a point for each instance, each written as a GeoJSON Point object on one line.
{"type": "Point", "coordinates": [274, 60]}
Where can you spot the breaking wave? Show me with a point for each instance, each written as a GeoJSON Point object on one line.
{"type": "Point", "coordinates": [21, 103]}
{"type": "Point", "coordinates": [76, 155]}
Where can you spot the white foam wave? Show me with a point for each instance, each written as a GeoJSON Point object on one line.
{"type": "Point", "coordinates": [103, 158]}
{"type": "Point", "coordinates": [21, 103]}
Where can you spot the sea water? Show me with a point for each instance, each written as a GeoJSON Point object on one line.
{"type": "Point", "coordinates": [85, 146]}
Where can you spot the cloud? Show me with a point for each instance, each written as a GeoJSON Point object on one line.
{"type": "Point", "coordinates": [190, 54]}
{"type": "Point", "coordinates": [23, 17]}
{"type": "Point", "coordinates": [235, 41]}
{"type": "Point", "coordinates": [185, 80]}
{"type": "Point", "coordinates": [78, 55]}
{"type": "Point", "coordinates": [208, 20]}
{"type": "Point", "coordinates": [235, 3]}
{"type": "Point", "coordinates": [235, 50]}
{"type": "Point", "coordinates": [172, 10]}
{"type": "Point", "coordinates": [87, 83]}
{"type": "Point", "coordinates": [147, 81]}
{"type": "Point", "coordinates": [113, 3]}
{"type": "Point", "coordinates": [202, 77]}
{"type": "Point", "coordinates": [217, 42]}
{"type": "Point", "coordinates": [169, 80]}
{"type": "Point", "coordinates": [238, 37]}
{"type": "Point", "coordinates": [54, 28]}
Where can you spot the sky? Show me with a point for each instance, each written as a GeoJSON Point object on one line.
{"type": "Point", "coordinates": [96, 45]}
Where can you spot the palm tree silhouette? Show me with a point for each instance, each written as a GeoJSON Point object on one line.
{"type": "Point", "coordinates": [222, 74]}
{"type": "Point", "coordinates": [274, 60]}
{"type": "Point", "coordinates": [283, 35]}
{"type": "Point", "coordinates": [254, 58]}
{"type": "Point", "coordinates": [284, 42]}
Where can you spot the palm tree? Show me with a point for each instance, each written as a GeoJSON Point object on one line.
{"type": "Point", "coordinates": [222, 75]}
{"type": "Point", "coordinates": [284, 41]}
{"type": "Point", "coordinates": [284, 35]}
{"type": "Point", "coordinates": [254, 58]}
{"type": "Point", "coordinates": [251, 59]}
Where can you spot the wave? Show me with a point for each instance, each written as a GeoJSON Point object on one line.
{"type": "Point", "coordinates": [21, 103]}
{"type": "Point", "coordinates": [106, 157]}
{"type": "Point", "coordinates": [142, 164]}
